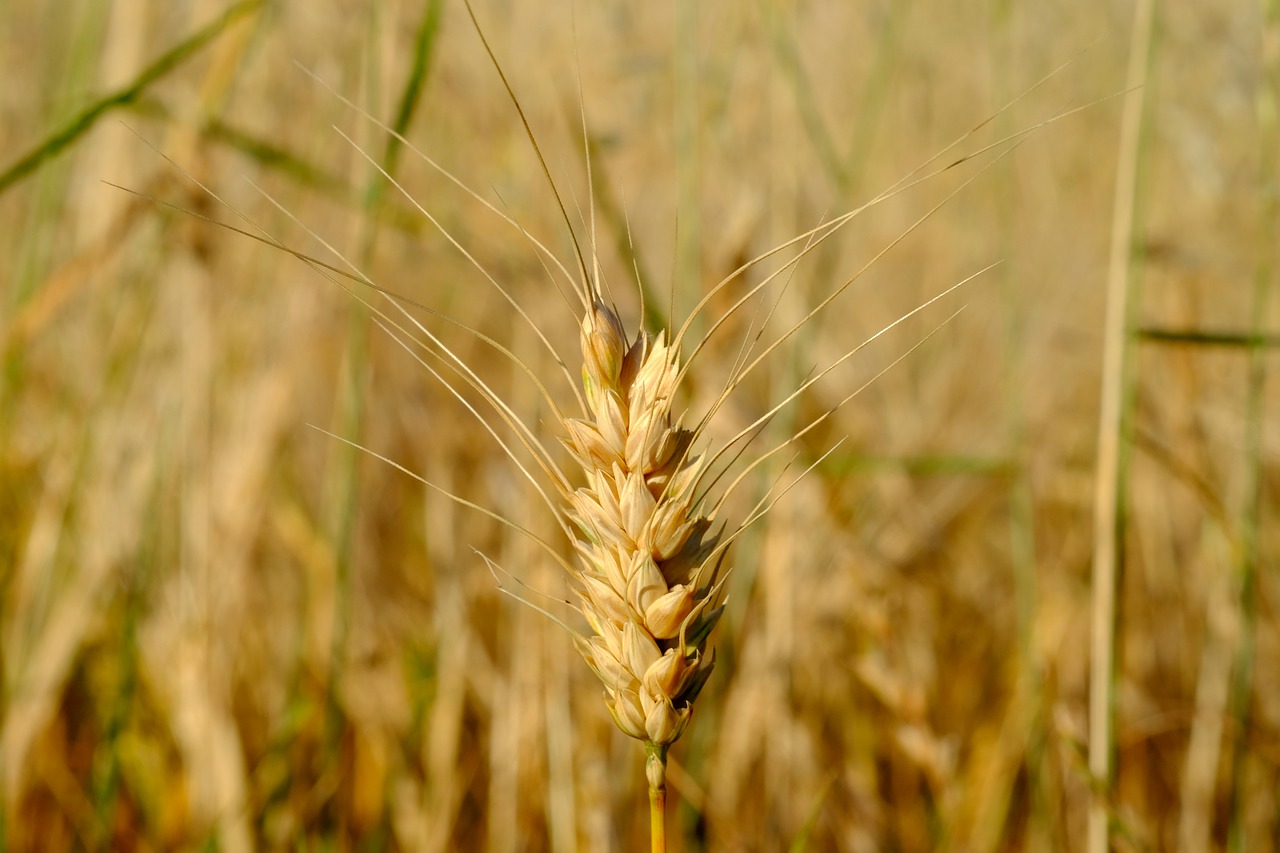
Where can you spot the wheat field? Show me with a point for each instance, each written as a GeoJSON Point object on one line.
{"type": "Point", "coordinates": [233, 617]}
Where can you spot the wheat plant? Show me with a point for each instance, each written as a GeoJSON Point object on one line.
{"type": "Point", "coordinates": [649, 561]}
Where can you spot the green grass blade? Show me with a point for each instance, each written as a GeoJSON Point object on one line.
{"type": "Point", "coordinates": [86, 119]}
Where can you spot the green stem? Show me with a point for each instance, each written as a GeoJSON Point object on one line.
{"type": "Point", "coordinates": [655, 768]}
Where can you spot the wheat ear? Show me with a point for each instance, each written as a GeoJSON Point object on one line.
{"type": "Point", "coordinates": [647, 556]}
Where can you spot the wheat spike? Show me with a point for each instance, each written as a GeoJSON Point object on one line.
{"type": "Point", "coordinates": [641, 573]}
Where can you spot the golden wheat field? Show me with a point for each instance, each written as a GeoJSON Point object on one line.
{"type": "Point", "coordinates": [234, 617]}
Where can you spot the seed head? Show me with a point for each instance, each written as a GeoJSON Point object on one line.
{"type": "Point", "coordinates": [646, 542]}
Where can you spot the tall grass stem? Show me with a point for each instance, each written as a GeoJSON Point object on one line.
{"type": "Point", "coordinates": [1108, 510]}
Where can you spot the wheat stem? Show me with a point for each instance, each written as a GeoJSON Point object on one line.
{"type": "Point", "coordinates": [655, 769]}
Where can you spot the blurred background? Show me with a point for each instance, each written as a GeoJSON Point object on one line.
{"type": "Point", "coordinates": [221, 629]}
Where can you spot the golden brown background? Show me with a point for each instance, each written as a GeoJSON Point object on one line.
{"type": "Point", "coordinates": [224, 630]}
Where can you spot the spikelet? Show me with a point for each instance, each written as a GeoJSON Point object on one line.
{"type": "Point", "coordinates": [640, 572]}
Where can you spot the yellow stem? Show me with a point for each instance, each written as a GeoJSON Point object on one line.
{"type": "Point", "coordinates": [655, 769]}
